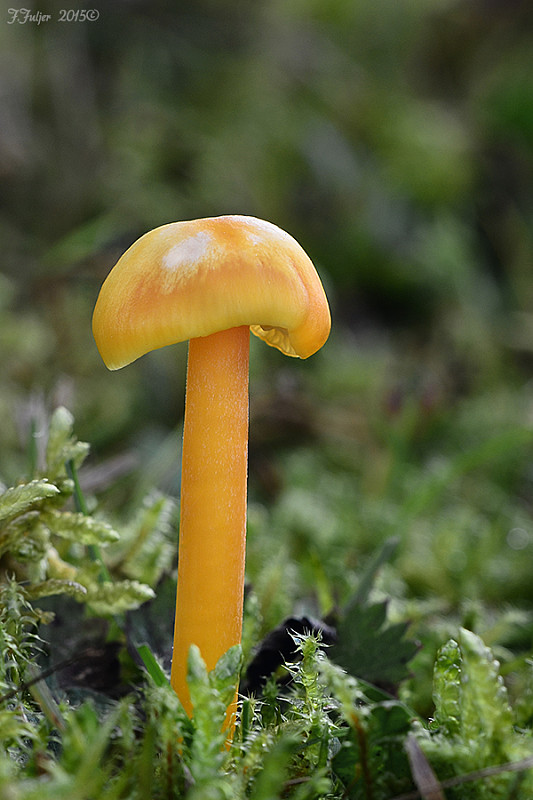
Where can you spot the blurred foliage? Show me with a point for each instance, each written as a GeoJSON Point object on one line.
{"type": "Point", "coordinates": [393, 140]}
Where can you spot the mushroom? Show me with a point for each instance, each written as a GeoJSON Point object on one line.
{"type": "Point", "coordinates": [211, 281]}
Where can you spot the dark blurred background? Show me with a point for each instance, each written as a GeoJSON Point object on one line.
{"type": "Point", "coordinates": [394, 140]}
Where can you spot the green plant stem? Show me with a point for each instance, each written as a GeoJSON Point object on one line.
{"type": "Point", "coordinates": [152, 667]}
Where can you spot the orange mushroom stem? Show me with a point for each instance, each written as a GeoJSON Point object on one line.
{"type": "Point", "coordinates": [212, 539]}
{"type": "Point", "coordinates": [211, 281]}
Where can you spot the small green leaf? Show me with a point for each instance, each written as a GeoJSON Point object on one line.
{"type": "Point", "coordinates": [115, 598]}
{"type": "Point", "coordinates": [78, 527]}
{"type": "Point", "coordinates": [55, 586]}
{"type": "Point", "coordinates": [485, 704]}
{"type": "Point", "coordinates": [369, 648]}
{"type": "Point", "coordinates": [22, 498]}
{"type": "Point", "coordinates": [447, 687]}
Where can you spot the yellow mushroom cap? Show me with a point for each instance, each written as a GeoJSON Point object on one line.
{"type": "Point", "coordinates": [195, 278]}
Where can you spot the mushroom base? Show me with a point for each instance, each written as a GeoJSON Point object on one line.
{"type": "Point", "coordinates": [212, 539]}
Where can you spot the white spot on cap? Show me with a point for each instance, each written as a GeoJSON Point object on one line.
{"type": "Point", "coordinates": [187, 253]}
